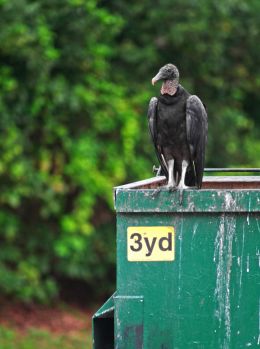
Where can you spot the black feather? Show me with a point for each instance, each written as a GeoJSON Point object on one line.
{"type": "Point", "coordinates": [178, 127]}
{"type": "Point", "coordinates": [152, 117]}
{"type": "Point", "coordinates": [197, 129]}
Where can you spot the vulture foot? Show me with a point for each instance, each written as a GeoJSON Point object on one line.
{"type": "Point", "coordinates": [171, 187]}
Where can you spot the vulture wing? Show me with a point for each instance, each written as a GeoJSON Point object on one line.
{"type": "Point", "coordinates": [152, 119]}
{"type": "Point", "coordinates": [197, 129]}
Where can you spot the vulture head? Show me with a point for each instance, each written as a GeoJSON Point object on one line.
{"type": "Point", "coordinates": [167, 72]}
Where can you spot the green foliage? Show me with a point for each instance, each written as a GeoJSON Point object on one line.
{"type": "Point", "coordinates": [68, 136]}
{"type": "Point", "coordinates": [214, 45]}
{"type": "Point", "coordinates": [74, 88]}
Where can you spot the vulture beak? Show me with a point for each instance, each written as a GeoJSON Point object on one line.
{"type": "Point", "coordinates": [156, 78]}
{"type": "Point", "coordinates": [153, 81]}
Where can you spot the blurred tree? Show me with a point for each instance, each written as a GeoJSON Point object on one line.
{"type": "Point", "coordinates": [74, 88]}
{"type": "Point", "coordinates": [214, 45]}
{"type": "Point", "coordinates": [68, 135]}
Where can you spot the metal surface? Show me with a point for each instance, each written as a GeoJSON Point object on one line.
{"type": "Point", "coordinates": [208, 297]}
{"type": "Point", "coordinates": [232, 169]}
{"type": "Point", "coordinates": [209, 182]}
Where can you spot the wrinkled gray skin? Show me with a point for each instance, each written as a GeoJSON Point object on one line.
{"type": "Point", "coordinates": [178, 126]}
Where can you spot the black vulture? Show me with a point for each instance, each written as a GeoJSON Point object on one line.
{"type": "Point", "coordinates": [178, 125]}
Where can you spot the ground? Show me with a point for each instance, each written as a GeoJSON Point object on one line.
{"type": "Point", "coordinates": [42, 327]}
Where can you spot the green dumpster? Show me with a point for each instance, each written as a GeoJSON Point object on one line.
{"type": "Point", "coordinates": [188, 267]}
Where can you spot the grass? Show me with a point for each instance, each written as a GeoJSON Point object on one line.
{"type": "Point", "coordinates": [39, 339]}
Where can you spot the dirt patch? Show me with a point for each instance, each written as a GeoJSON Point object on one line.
{"type": "Point", "coordinates": [58, 319]}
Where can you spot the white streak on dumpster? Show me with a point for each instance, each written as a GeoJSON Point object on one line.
{"type": "Point", "coordinates": [241, 267]}
{"type": "Point", "coordinates": [258, 341]}
{"type": "Point", "coordinates": [257, 225]}
{"type": "Point", "coordinates": [229, 202]}
{"type": "Point", "coordinates": [180, 261]}
{"type": "Point", "coordinates": [258, 255]}
{"type": "Point", "coordinates": [223, 257]}
{"type": "Point", "coordinates": [249, 210]}
{"type": "Point", "coordinates": [195, 229]}
{"type": "Point", "coordinates": [247, 263]}
{"type": "Point", "coordinates": [230, 235]}
{"type": "Point", "coordinates": [219, 259]}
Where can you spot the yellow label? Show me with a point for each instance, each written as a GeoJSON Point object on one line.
{"type": "Point", "coordinates": [146, 244]}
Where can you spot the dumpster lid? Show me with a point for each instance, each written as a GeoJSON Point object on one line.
{"type": "Point", "coordinates": [218, 194]}
{"type": "Point", "coordinates": [209, 182]}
